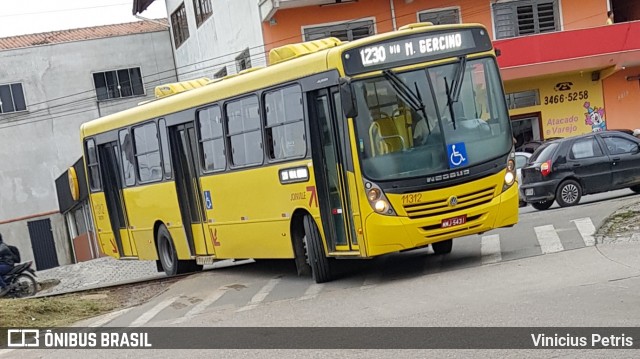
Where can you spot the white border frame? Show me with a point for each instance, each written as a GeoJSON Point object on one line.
{"type": "Point", "coordinates": [370, 18]}
{"type": "Point", "coordinates": [441, 9]}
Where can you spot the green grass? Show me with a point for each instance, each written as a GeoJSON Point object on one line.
{"type": "Point", "coordinates": [53, 311]}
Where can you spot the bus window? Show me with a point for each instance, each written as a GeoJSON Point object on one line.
{"type": "Point", "coordinates": [147, 153]}
{"type": "Point", "coordinates": [244, 134]}
{"type": "Point", "coordinates": [126, 148]}
{"type": "Point", "coordinates": [164, 143]}
{"type": "Point", "coordinates": [211, 139]}
{"type": "Point", "coordinates": [92, 164]}
{"type": "Point", "coordinates": [285, 126]}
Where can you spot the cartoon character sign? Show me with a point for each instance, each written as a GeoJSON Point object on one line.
{"type": "Point", "coordinates": [595, 117]}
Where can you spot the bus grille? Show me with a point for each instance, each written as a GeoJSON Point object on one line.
{"type": "Point", "coordinates": [441, 205]}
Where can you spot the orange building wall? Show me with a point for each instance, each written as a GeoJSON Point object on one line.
{"type": "Point", "coordinates": [622, 99]}
{"type": "Point", "coordinates": [580, 14]}
{"type": "Point", "coordinates": [471, 11]}
{"type": "Point", "coordinates": [289, 22]}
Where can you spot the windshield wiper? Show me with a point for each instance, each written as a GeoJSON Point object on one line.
{"type": "Point", "coordinates": [413, 99]}
{"type": "Point", "coordinates": [453, 90]}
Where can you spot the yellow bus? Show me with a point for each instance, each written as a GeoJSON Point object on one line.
{"type": "Point", "coordinates": [334, 150]}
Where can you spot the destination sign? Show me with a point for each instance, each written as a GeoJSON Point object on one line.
{"type": "Point", "coordinates": [421, 47]}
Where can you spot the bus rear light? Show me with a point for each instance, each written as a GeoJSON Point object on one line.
{"type": "Point", "coordinates": [545, 168]}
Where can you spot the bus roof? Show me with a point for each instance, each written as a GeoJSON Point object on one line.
{"type": "Point", "coordinates": [284, 70]}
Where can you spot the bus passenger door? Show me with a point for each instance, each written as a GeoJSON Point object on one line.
{"type": "Point", "coordinates": [184, 145]}
{"type": "Point", "coordinates": [330, 141]}
{"type": "Point", "coordinates": [117, 212]}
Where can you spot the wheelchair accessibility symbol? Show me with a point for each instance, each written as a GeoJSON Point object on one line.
{"type": "Point", "coordinates": [457, 153]}
{"type": "Point", "coordinates": [207, 200]}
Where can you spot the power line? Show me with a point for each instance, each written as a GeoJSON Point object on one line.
{"type": "Point", "coordinates": [19, 117]}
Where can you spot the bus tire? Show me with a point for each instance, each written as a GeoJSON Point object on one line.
{"type": "Point", "coordinates": [318, 261]}
{"type": "Point", "coordinates": [443, 247]}
{"type": "Point", "coordinates": [169, 258]}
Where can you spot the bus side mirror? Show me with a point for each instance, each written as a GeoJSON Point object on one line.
{"type": "Point", "coordinates": [347, 98]}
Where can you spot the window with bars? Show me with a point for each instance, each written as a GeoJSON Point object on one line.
{"type": "Point", "coordinates": [525, 17]}
{"type": "Point", "coordinates": [523, 99]}
{"type": "Point", "coordinates": [243, 61]}
{"type": "Point", "coordinates": [440, 17]}
{"type": "Point", "coordinates": [118, 83]}
{"type": "Point", "coordinates": [348, 31]}
{"type": "Point", "coordinates": [203, 10]}
{"type": "Point", "coordinates": [179, 26]}
{"type": "Point", "coordinates": [12, 98]}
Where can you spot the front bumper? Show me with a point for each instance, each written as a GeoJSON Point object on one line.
{"type": "Point", "coordinates": [542, 191]}
{"type": "Point", "coordinates": [388, 234]}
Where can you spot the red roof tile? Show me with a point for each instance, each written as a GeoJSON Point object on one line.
{"type": "Point", "coordinates": [87, 33]}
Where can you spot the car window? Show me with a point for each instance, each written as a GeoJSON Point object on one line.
{"type": "Point", "coordinates": [544, 152]}
{"type": "Point", "coordinates": [619, 145]}
{"type": "Point", "coordinates": [520, 161]}
{"type": "Point", "coordinates": [585, 148]}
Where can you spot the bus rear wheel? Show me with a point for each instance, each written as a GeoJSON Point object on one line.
{"type": "Point", "coordinates": [318, 261]}
{"type": "Point", "coordinates": [169, 258]}
{"type": "Point", "coordinates": [443, 247]}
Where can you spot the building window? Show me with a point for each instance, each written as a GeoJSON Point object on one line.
{"type": "Point", "coordinates": [285, 123]}
{"type": "Point", "coordinates": [245, 137]}
{"type": "Point", "coordinates": [523, 99]}
{"type": "Point", "coordinates": [440, 17]}
{"type": "Point", "coordinates": [221, 73]}
{"type": "Point", "coordinates": [211, 139]}
{"type": "Point", "coordinates": [118, 83]}
{"type": "Point", "coordinates": [179, 26]}
{"type": "Point", "coordinates": [12, 98]}
{"type": "Point", "coordinates": [243, 61]}
{"type": "Point", "coordinates": [525, 17]}
{"type": "Point", "coordinates": [348, 31]}
{"type": "Point", "coordinates": [147, 152]}
{"type": "Point", "coordinates": [203, 10]}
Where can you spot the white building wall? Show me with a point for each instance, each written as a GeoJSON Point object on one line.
{"type": "Point", "coordinates": [233, 26]}
{"type": "Point", "coordinates": [37, 146]}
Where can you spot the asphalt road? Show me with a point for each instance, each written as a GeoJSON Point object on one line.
{"type": "Point", "coordinates": [545, 271]}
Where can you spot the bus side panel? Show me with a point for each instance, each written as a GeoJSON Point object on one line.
{"type": "Point", "coordinates": [148, 204]}
{"type": "Point", "coordinates": [103, 225]}
{"type": "Point", "coordinates": [250, 211]}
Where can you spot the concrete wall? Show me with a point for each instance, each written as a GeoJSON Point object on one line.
{"type": "Point", "coordinates": [234, 26]}
{"type": "Point", "coordinates": [38, 145]}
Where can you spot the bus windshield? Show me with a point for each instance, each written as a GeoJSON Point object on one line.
{"type": "Point", "coordinates": [407, 122]}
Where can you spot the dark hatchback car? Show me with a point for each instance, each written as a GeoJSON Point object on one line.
{"type": "Point", "coordinates": [566, 169]}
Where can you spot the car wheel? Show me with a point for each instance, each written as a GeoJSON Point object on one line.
{"type": "Point", "coordinates": [541, 206]}
{"type": "Point", "coordinates": [569, 193]}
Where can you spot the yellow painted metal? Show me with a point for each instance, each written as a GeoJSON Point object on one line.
{"type": "Point", "coordinates": [251, 211]}
{"type": "Point", "coordinates": [386, 234]}
{"type": "Point", "coordinates": [151, 204]}
{"type": "Point", "coordinates": [292, 51]}
{"type": "Point", "coordinates": [103, 225]}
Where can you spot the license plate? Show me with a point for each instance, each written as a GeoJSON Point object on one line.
{"type": "Point", "coordinates": [529, 192]}
{"type": "Point", "coordinates": [454, 221]}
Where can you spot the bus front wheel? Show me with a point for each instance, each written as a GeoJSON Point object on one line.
{"type": "Point", "coordinates": [318, 261]}
{"type": "Point", "coordinates": [169, 258]}
{"type": "Point", "coordinates": [443, 247]}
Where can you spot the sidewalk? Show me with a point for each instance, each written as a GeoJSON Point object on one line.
{"type": "Point", "coordinates": [97, 273]}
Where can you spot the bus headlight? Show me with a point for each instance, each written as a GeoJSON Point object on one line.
{"type": "Point", "coordinates": [373, 194]}
{"type": "Point", "coordinates": [509, 178]}
{"type": "Point", "coordinates": [381, 206]}
{"type": "Point", "coordinates": [378, 200]}
{"type": "Point", "coordinates": [510, 173]}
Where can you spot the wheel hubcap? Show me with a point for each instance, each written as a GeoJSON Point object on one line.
{"type": "Point", "coordinates": [569, 193]}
